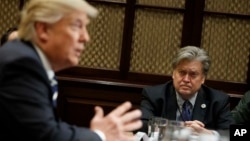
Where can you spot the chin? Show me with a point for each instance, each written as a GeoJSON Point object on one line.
{"type": "Point", "coordinates": [74, 62]}
{"type": "Point", "coordinates": [184, 92]}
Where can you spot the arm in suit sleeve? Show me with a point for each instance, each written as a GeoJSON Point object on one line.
{"type": "Point", "coordinates": [152, 103]}
{"type": "Point", "coordinates": [241, 113]}
{"type": "Point", "coordinates": [26, 109]}
{"type": "Point", "coordinates": [222, 114]}
{"type": "Point", "coordinates": [147, 108]}
{"type": "Point", "coordinates": [224, 119]}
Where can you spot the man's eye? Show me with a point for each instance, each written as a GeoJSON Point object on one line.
{"type": "Point", "coordinates": [182, 72]}
{"type": "Point", "coordinates": [193, 75]}
{"type": "Point", "coordinates": [76, 26]}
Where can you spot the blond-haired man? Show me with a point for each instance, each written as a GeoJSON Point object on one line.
{"type": "Point", "coordinates": [52, 34]}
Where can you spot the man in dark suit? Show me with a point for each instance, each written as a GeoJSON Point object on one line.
{"type": "Point", "coordinates": [209, 108]}
{"type": "Point", "coordinates": [52, 34]}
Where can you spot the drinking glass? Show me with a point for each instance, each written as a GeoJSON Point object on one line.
{"type": "Point", "coordinates": [156, 128]}
{"type": "Point", "coordinates": [176, 131]}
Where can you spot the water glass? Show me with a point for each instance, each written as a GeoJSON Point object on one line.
{"type": "Point", "coordinates": [176, 131]}
{"type": "Point", "coordinates": [156, 128]}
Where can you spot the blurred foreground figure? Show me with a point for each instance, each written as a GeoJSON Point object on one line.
{"type": "Point", "coordinates": [52, 34]}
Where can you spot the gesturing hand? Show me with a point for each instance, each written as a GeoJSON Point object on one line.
{"type": "Point", "coordinates": [117, 122]}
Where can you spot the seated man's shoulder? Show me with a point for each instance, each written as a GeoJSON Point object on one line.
{"type": "Point", "coordinates": [214, 92]}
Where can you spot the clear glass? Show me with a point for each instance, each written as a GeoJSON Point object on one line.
{"type": "Point", "coordinates": [156, 128]}
{"type": "Point", "coordinates": [176, 131]}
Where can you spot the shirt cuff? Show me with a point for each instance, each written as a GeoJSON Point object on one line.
{"type": "Point", "coordinates": [100, 134]}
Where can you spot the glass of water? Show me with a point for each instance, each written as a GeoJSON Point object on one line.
{"type": "Point", "coordinates": [176, 131]}
{"type": "Point", "coordinates": [156, 128]}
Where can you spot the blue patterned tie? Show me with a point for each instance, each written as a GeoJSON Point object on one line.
{"type": "Point", "coordinates": [54, 86]}
{"type": "Point", "coordinates": [186, 113]}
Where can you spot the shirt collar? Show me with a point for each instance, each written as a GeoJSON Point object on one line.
{"type": "Point", "coordinates": [45, 62]}
{"type": "Point", "coordinates": [180, 100]}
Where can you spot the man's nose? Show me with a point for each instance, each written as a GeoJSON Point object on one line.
{"type": "Point", "coordinates": [186, 77]}
{"type": "Point", "coordinates": [84, 37]}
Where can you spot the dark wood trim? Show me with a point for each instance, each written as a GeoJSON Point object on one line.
{"type": "Point", "coordinates": [192, 24]}
{"type": "Point", "coordinates": [233, 15]}
{"type": "Point", "coordinates": [160, 7]}
{"type": "Point", "coordinates": [197, 22]}
{"type": "Point", "coordinates": [127, 38]}
{"type": "Point", "coordinates": [84, 72]}
{"type": "Point", "coordinates": [100, 82]}
{"type": "Point", "coordinates": [21, 4]}
{"type": "Point", "coordinates": [229, 87]}
{"type": "Point", "coordinates": [248, 71]}
{"type": "Point", "coordinates": [107, 1]}
{"type": "Point", "coordinates": [187, 24]}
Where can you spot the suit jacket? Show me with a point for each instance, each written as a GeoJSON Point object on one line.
{"type": "Point", "coordinates": [241, 112]}
{"type": "Point", "coordinates": [161, 101]}
{"type": "Point", "coordinates": [26, 110]}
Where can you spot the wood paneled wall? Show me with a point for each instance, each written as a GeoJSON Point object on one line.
{"type": "Point", "coordinates": [132, 46]}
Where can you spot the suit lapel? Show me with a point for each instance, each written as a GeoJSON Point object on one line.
{"type": "Point", "coordinates": [171, 105]}
{"type": "Point", "coordinates": [36, 56]}
{"type": "Point", "coordinates": [200, 107]}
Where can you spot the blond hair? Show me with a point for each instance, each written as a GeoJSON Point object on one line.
{"type": "Point", "coordinates": [49, 11]}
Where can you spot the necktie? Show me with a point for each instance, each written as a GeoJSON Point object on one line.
{"type": "Point", "coordinates": [186, 111]}
{"type": "Point", "coordinates": [54, 86]}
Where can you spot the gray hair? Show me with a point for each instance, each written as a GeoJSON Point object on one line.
{"type": "Point", "coordinates": [193, 53]}
{"type": "Point", "coordinates": [48, 11]}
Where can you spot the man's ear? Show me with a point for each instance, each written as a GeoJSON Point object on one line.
{"type": "Point", "coordinates": [173, 74]}
{"type": "Point", "coordinates": [41, 29]}
{"type": "Point", "coordinates": [203, 79]}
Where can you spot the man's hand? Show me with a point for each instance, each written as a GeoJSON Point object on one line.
{"type": "Point", "coordinates": [117, 123]}
{"type": "Point", "coordinates": [197, 126]}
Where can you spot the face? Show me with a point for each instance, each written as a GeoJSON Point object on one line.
{"type": "Point", "coordinates": [63, 41]}
{"type": "Point", "coordinates": [188, 78]}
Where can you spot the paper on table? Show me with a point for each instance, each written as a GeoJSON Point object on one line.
{"type": "Point", "coordinates": [143, 136]}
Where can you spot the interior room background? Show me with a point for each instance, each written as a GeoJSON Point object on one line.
{"type": "Point", "coordinates": [133, 43]}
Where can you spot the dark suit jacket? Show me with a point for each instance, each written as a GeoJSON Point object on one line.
{"type": "Point", "coordinates": [26, 110]}
{"type": "Point", "coordinates": [161, 101]}
{"type": "Point", "coordinates": [241, 112]}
